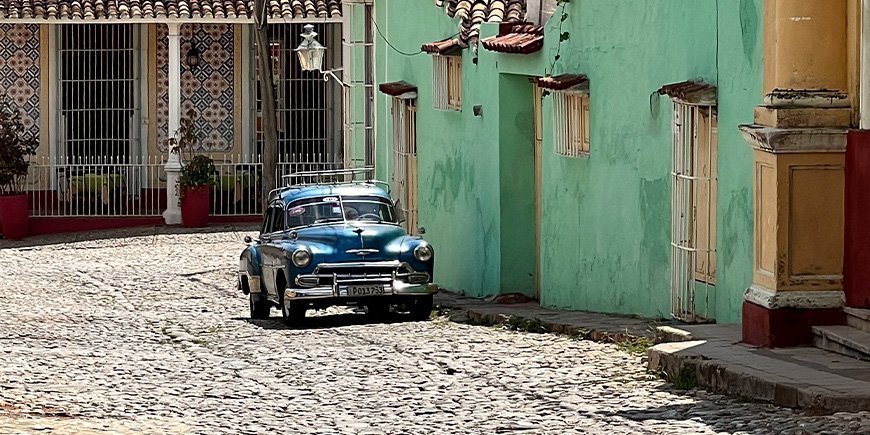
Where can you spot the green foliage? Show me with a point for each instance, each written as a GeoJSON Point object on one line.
{"type": "Point", "coordinates": [563, 36]}
{"type": "Point", "coordinates": [686, 379]}
{"type": "Point", "coordinates": [15, 145]}
{"type": "Point", "coordinates": [185, 137]}
{"type": "Point", "coordinates": [635, 345]}
{"type": "Point", "coordinates": [198, 170]}
{"type": "Point", "coordinates": [515, 323]}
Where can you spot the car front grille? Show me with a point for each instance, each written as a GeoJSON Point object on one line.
{"type": "Point", "coordinates": [329, 274]}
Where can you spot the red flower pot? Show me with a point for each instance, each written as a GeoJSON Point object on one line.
{"type": "Point", "coordinates": [14, 214]}
{"type": "Point", "coordinates": [194, 207]}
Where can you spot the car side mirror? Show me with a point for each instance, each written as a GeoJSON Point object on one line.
{"type": "Point", "coordinates": [248, 239]}
{"type": "Point", "coordinates": [421, 230]}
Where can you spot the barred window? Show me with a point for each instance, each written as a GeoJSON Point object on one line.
{"type": "Point", "coordinates": [447, 82]}
{"type": "Point", "coordinates": [571, 123]}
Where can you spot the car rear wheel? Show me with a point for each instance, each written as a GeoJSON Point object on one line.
{"type": "Point", "coordinates": [259, 308]}
{"type": "Point", "coordinates": [421, 307]}
{"type": "Point", "coordinates": [293, 312]}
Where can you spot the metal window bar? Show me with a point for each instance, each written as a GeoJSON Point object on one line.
{"type": "Point", "coordinates": [693, 211]}
{"type": "Point", "coordinates": [454, 82]}
{"type": "Point", "coordinates": [571, 123]}
{"type": "Point", "coordinates": [369, 85]}
{"type": "Point", "coordinates": [99, 90]}
{"type": "Point", "coordinates": [358, 73]}
{"type": "Point", "coordinates": [308, 109]}
{"type": "Point", "coordinates": [440, 82]}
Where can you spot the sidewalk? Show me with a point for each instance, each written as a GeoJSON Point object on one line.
{"type": "Point", "coordinates": [707, 356]}
{"type": "Point", "coordinates": [509, 308]}
{"type": "Point", "coordinates": [711, 356]}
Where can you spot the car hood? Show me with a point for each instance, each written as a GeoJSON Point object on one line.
{"type": "Point", "coordinates": [352, 242]}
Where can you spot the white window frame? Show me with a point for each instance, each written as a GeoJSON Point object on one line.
{"type": "Point", "coordinates": [693, 210]}
{"type": "Point", "coordinates": [447, 82]}
{"type": "Point", "coordinates": [571, 126]}
{"type": "Point", "coordinates": [404, 114]}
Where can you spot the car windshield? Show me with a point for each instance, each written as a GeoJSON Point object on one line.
{"type": "Point", "coordinates": [336, 208]}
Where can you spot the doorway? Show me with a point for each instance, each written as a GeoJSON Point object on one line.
{"type": "Point", "coordinates": [518, 189]}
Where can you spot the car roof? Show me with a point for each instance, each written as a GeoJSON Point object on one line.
{"type": "Point", "coordinates": [294, 193]}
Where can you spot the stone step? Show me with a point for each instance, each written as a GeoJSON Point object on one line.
{"type": "Point", "coordinates": [844, 340]}
{"type": "Point", "coordinates": [858, 318]}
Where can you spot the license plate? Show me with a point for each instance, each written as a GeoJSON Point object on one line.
{"type": "Point", "coordinates": [365, 290]}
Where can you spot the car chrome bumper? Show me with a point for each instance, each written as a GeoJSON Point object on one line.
{"type": "Point", "coordinates": [340, 291]}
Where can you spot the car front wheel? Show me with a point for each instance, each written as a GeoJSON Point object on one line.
{"type": "Point", "coordinates": [259, 307]}
{"type": "Point", "coordinates": [421, 307]}
{"type": "Point", "coordinates": [293, 312]}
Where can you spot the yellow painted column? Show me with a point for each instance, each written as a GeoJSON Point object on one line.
{"type": "Point", "coordinates": [805, 45]}
{"type": "Point", "coordinates": [799, 142]}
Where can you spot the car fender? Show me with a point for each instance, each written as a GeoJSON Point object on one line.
{"type": "Point", "coordinates": [250, 270]}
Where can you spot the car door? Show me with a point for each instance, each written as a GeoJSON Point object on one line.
{"type": "Point", "coordinates": [271, 252]}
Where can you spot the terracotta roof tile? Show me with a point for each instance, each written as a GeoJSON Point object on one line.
{"type": "Point", "coordinates": [397, 88]}
{"type": "Point", "coordinates": [133, 9]}
{"type": "Point", "coordinates": [472, 13]}
{"type": "Point", "coordinates": [445, 46]}
{"type": "Point", "coordinates": [691, 91]}
{"type": "Point", "coordinates": [560, 82]}
{"type": "Point", "coordinates": [516, 38]}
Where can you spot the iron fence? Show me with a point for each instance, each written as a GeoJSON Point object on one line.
{"type": "Point", "coordinates": [136, 187]}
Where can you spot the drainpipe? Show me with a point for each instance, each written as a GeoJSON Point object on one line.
{"type": "Point", "coordinates": [864, 85]}
{"type": "Point", "coordinates": [172, 214]}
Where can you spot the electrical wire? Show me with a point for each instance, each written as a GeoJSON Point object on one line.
{"type": "Point", "coordinates": [390, 44]}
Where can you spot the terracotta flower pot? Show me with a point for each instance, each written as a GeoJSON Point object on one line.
{"type": "Point", "coordinates": [194, 207]}
{"type": "Point", "coordinates": [14, 214]}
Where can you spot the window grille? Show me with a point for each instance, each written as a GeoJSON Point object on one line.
{"type": "Point", "coordinates": [405, 159]}
{"type": "Point", "coordinates": [693, 211]}
{"type": "Point", "coordinates": [447, 82]}
{"type": "Point", "coordinates": [571, 123]}
{"type": "Point", "coordinates": [99, 104]}
{"type": "Point", "coordinates": [308, 110]}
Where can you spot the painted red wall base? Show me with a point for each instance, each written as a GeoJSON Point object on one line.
{"type": "Point", "coordinates": [856, 259]}
{"type": "Point", "coordinates": [785, 327]}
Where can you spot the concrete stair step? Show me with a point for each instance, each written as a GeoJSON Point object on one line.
{"type": "Point", "coordinates": [844, 340]}
{"type": "Point", "coordinates": [858, 318]}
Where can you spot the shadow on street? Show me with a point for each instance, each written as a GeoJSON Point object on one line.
{"type": "Point", "coordinates": [328, 321]}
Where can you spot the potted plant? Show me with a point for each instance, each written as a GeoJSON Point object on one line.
{"type": "Point", "coordinates": [194, 183]}
{"type": "Point", "coordinates": [15, 146]}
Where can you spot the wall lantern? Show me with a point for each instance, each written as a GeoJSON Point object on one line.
{"type": "Point", "coordinates": [310, 51]}
{"type": "Point", "coordinates": [193, 56]}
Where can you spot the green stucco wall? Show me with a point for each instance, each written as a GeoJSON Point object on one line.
{"type": "Point", "coordinates": [606, 217]}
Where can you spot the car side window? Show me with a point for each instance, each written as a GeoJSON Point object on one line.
{"type": "Point", "coordinates": [267, 222]}
{"type": "Point", "coordinates": [278, 217]}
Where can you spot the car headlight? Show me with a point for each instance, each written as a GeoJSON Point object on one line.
{"type": "Point", "coordinates": [301, 257]}
{"type": "Point", "coordinates": [423, 252]}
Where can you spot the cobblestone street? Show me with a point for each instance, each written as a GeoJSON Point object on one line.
{"type": "Point", "coordinates": [148, 334]}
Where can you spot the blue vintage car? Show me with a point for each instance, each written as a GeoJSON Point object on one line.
{"type": "Point", "coordinates": [335, 243]}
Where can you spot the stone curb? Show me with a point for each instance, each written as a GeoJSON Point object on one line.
{"type": "Point", "coordinates": [678, 363]}
{"type": "Point", "coordinates": [469, 315]}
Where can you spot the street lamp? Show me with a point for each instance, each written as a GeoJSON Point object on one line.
{"type": "Point", "coordinates": [193, 56]}
{"type": "Point", "coordinates": [310, 53]}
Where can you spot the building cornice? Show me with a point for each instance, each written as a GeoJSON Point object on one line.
{"type": "Point", "coordinates": [794, 299]}
{"type": "Point", "coordinates": [795, 140]}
